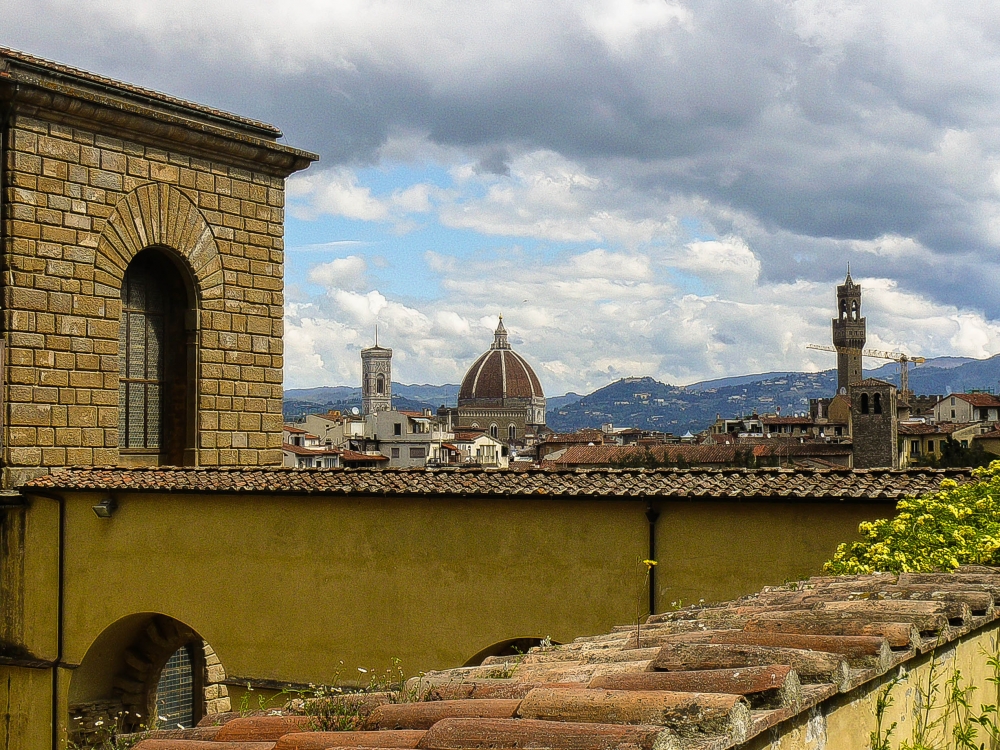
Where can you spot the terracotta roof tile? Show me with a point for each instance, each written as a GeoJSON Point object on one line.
{"type": "Point", "coordinates": [635, 483]}
{"type": "Point", "coordinates": [975, 399]}
{"type": "Point", "coordinates": [711, 676]}
{"type": "Point", "coordinates": [597, 455]}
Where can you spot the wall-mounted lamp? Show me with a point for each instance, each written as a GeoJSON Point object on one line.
{"type": "Point", "coordinates": [106, 508]}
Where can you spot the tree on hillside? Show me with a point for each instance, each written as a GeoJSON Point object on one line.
{"type": "Point", "coordinates": [957, 525]}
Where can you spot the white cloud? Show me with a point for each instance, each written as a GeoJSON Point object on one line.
{"type": "Point", "coordinates": [335, 192]}
{"type": "Point", "coordinates": [342, 273]}
{"type": "Point", "coordinates": [690, 177]}
{"type": "Point", "coordinates": [730, 264]}
{"type": "Point", "coordinates": [620, 23]}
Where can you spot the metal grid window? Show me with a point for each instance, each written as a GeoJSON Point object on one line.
{"type": "Point", "coordinates": [175, 691]}
{"type": "Point", "coordinates": [140, 359]}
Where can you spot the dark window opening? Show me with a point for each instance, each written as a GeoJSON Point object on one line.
{"type": "Point", "coordinates": [878, 403]}
{"type": "Point", "coordinates": [511, 432]}
{"type": "Point", "coordinates": [153, 359]}
{"type": "Point", "coordinates": [397, 429]}
{"type": "Point", "coordinates": [175, 691]}
{"type": "Point", "coordinates": [379, 384]}
{"type": "Point", "coordinates": [494, 431]}
{"type": "Point", "coordinates": [418, 453]}
{"type": "Point", "coordinates": [864, 403]}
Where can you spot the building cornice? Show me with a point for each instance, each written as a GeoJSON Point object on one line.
{"type": "Point", "coordinates": [51, 92]}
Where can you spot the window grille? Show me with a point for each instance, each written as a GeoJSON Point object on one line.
{"type": "Point", "coordinates": [140, 359]}
{"type": "Point", "coordinates": [175, 691]}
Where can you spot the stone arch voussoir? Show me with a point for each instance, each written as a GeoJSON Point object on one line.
{"type": "Point", "coordinates": [131, 703]}
{"type": "Point", "coordinates": [158, 214]}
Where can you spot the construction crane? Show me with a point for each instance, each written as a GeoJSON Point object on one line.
{"type": "Point", "coordinates": [903, 360]}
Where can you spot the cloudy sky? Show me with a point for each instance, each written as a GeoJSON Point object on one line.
{"type": "Point", "coordinates": [641, 187]}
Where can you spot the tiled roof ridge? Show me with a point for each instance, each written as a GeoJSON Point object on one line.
{"type": "Point", "coordinates": [707, 677]}
{"type": "Point", "coordinates": [128, 89]}
{"type": "Point", "coordinates": [788, 483]}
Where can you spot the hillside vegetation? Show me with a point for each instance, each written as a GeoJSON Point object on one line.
{"type": "Point", "coordinates": [649, 404]}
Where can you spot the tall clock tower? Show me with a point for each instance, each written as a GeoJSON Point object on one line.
{"type": "Point", "coordinates": [376, 379]}
{"type": "Point", "coordinates": [849, 333]}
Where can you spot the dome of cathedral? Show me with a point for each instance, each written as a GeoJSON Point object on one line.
{"type": "Point", "coordinates": [500, 373]}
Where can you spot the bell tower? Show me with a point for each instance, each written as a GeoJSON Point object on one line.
{"type": "Point", "coordinates": [848, 333]}
{"type": "Point", "coordinates": [376, 378]}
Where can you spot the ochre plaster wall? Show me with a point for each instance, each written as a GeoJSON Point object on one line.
{"type": "Point", "coordinates": [309, 588]}
{"type": "Point", "coordinates": [846, 721]}
{"type": "Point", "coordinates": [718, 551]}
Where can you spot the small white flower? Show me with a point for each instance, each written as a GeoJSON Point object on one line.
{"type": "Point", "coordinates": [362, 670]}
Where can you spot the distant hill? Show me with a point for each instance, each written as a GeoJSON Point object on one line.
{"type": "Point", "coordinates": [557, 402]}
{"type": "Point", "coordinates": [649, 404]}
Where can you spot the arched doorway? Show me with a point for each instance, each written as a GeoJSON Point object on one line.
{"type": "Point", "coordinates": [141, 668]}
{"type": "Point", "coordinates": [513, 647]}
{"type": "Point", "coordinates": [157, 356]}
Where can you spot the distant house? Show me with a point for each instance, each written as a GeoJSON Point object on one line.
{"type": "Point", "coordinates": [310, 458]}
{"type": "Point", "coordinates": [479, 448]}
{"type": "Point", "coordinates": [558, 443]}
{"type": "Point", "coordinates": [303, 450]}
{"type": "Point", "coordinates": [921, 443]}
{"type": "Point", "coordinates": [409, 439]}
{"type": "Point", "coordinates": [792, 426]}
{"type": "Point", "coordinates": [963, 408]}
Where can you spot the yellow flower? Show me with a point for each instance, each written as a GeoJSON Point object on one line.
{"type": "Point", "coordinates": [649, 563]}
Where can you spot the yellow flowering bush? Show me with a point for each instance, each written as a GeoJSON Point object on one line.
{"type": "Point", "coordinates": [957, 525]}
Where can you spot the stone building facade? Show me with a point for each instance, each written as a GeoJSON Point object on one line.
{"type": "Point", "coordinates": [376, 379]}
{"type": "Point", "coordinates": [108, 188]}
{"type": "Point", "coordinates": [849, 334]}
{"type": "Point", "coordinates": [874, 425]}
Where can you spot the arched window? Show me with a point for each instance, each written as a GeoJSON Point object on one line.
{"type": "Point", "coordinates": [380, 384]}
{"type": "Point", "coordinates": [877, 403]}
{"type": "Point", "coordinates": [175, 690]}
{"type": "Point", "coordinates": [494, 431]}
{"type": "Point", "coordinates": [843, 309]}
{"type": "Point", "coordinates": [153, 407]}
{"type": "Point", "coordinates": [854, 309]}
{"type": "Point", "coordinates": [511, 432]}
{"type": "Point", "coordinates": [864, 403]}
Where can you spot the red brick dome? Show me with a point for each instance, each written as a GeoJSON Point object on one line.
{"type": "Point", "coordinates": [501, 373]}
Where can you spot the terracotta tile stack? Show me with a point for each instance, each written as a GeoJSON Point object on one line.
{"type": "Point", "coordinates": [701, 678]}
